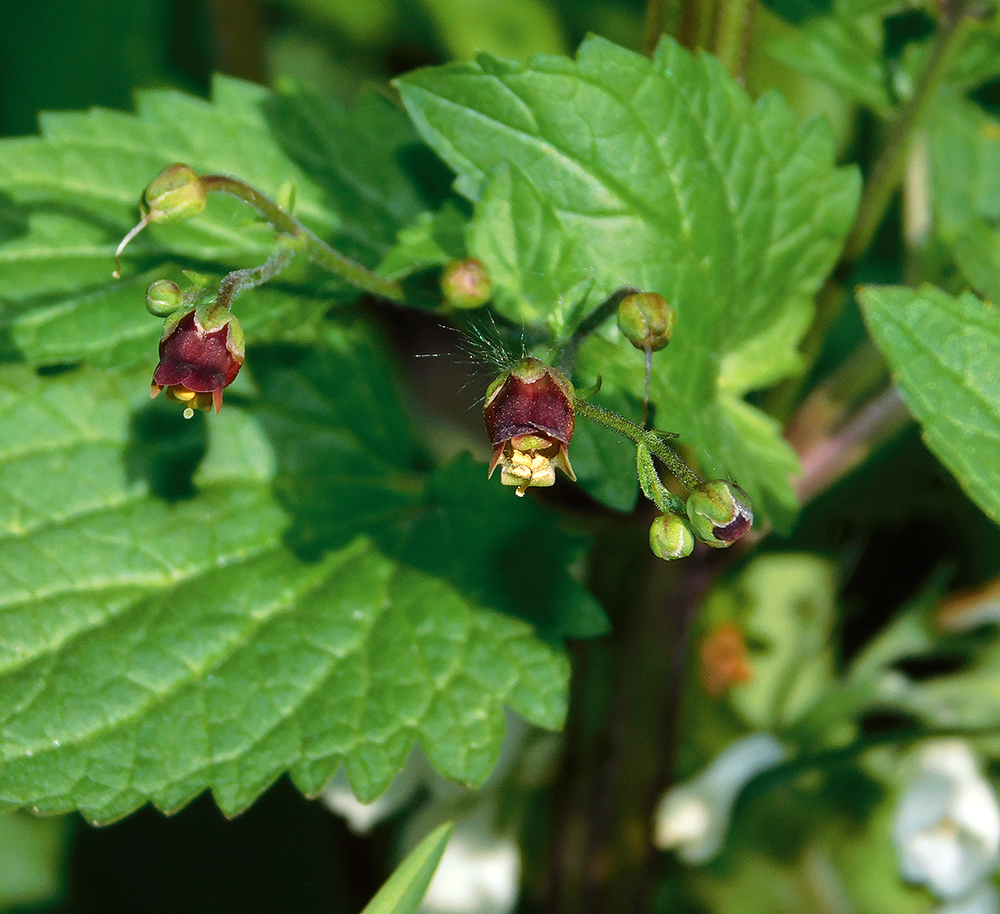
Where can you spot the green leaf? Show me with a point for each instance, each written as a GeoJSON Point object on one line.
{"type": "Point", "coordinates": [603, 460]}
{"type": "Point", "coordinates": [405, 888]}
{"type": "Point", "coordinates": [843, 49]}
{"type": "Point", "coordinates": [527, 251]}
{"type": "Point", "coordinates": [70, 194]}
{"type": "Point", "coordinates": [432, 240]}
{"type": "Point", "coordinates": [942, 352]}
{"type": "Point", "coordinates": [150, 650]}
{"type": "Point", "coordinates": [664, 175]}
{"type": "Point", "coordinates": [965, 164]}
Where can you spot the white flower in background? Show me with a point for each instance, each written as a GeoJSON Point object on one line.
{"type": "Point", "coordinates": [480, 871]}
{"type": "Point", "coordinates": [947, 830]}
{"type": "Point", "coordinates": [983, 899]}
{"type": "Point", "coordinates": [693, 818]}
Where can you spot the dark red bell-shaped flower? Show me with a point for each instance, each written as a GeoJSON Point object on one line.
{"type": "Point", "coordinates": [201, 352]}
{"type": "Point", "coordinates": [529, 418]}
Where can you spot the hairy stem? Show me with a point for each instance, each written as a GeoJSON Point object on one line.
{"type": "Point", "coordinates": [639, 435]}
{"type": "Point", "coordinates": [652, 486]}
{"type": "Point", "coordinates": [315, 249]}
{"type": "Point", "coordinates": [605, 310]}
{"type": "Point", "coordinates": [240, 280]}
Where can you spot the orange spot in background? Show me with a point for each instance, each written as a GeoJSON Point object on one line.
{"type": "Point", "coordinates": [724, 662]}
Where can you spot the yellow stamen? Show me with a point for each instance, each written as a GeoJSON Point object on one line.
{"type": "Point", "coordinates": [182, 393]}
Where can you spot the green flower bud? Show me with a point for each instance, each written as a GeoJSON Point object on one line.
{"type": "Point", "coordinates": [176, 193]}
{"type": "Point", "coordinates": [670, 537]}
{"type": "Point", "coordinates": [466, 284]}
{"type": "Point", "coordinates": [163, 298]}
{"type": "Point", "coordinates": [720, 513]}
{"type": "Point", "coordinates": [646, 320]}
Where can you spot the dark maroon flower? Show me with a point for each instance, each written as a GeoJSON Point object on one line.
{"type": "Point", "coordinates": [200, 354]}
{"type": "Point", "coordinates": [529, 418]}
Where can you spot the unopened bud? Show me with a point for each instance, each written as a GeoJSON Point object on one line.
{"type": "Point", "coordinates": [720, 513]}
{"type": "Point", "coordinates": [670, 537]}
{"type": "Point", "coordinates": [163, 298]}
{"type": "Point", "coordinates": [466, 284]}
{"type": "Point", "coordinates": [176, 193]}
{"type": "Point", "coordinates": [646, 320]}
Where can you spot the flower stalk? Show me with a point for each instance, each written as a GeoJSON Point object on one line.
{"type": "Point", "coordinates": [178, 193]}
{"type": "Point", "coordinates": [653, 441]}
{"type": "Point", "coordinates": [317, 250]}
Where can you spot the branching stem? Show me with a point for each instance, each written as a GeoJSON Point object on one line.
{"type": "Point", "coordinates": [653, 441]}
{"type": "Point", "coordinates": [240, 280]}
{"type": "Point", "coordinates": [315, 248]}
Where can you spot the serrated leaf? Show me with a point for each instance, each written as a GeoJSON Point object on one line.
{"type": "Point", "coordinates": [406, 887]}
{"type": "Point", "coordinates": [71, 193]}
{"type": "Point", "coordinates": [664, 175]}
{"type": "Point", "coordinates": [942, 352]}
{"type": "Point", "coordinates": [151, 650]}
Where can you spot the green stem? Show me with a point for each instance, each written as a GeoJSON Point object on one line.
{"type": "Point", "coordinates": [734, 27]}
{"type": "Point", "coordinates": [240, 280]}
{"type": "Point", "coordinates": [828, 758]}
{"type": "Point", "coordinates": [653, 487]}
{"type": "Point", "coordinates": [655, 25]}
{"type": "Point", "coordinates": [317, 250]}
{"type": "Point", "coordinates": [891, 163]}
{"type": "Point", "coordinates": [695, 28]}
{"type": "Point", "coordinates": [639, 435]}
{"type": "Point", "coordinates": [875, 198]}
{"type": "Point", "coordinates": [588, 325]}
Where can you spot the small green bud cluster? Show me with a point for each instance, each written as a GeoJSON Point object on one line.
{"type": "Point", "coordinates": [718, 514]}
